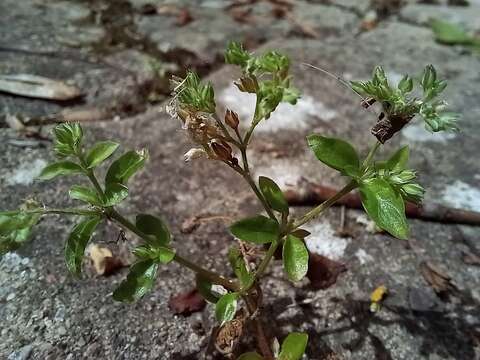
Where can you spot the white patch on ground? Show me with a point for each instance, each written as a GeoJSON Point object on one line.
{"type": "Point", "coordinates": [285, 173]}
{"type": "Point", "coordinates": [285, 117]}
{"type": "Point", "coordinates": [26, 173]}
{"type": "Point", "coordinates": [363, 256]}
{"type": "Point", "coordinates": [462, 196]}
{"type": "Point", "coordinates": [417, 132]}
{"type": "Point", "coordinates": [323, 241]}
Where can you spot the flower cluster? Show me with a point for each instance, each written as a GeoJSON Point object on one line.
{"type": "Point", "coordinates": [399, 107]}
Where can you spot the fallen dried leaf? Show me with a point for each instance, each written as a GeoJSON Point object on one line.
{"type": "Point", "coordinates": [323, 272]}
{"type": "Point", "coordinates": [436, 277]}
{"type": "Point", "coordinates": [186, 303]}
{"type": "Point", "coordinates": [305, 29]}
{"type": "Point", "coordinates": [184, 17]}
{"type": "Point", "coordinates": [243, 16]}
{"type": "Point", "coordinates": [471, 259]}
{"type": "Point", "coordinates": [230, 333]}
{"type": "Point", "coordinates": [168, 9]}
{"type": "Point", "coordinates": [103, 260]}
{"type": "Point", "coordinates": [190, 224]}
{"type": "Point", "coordinates": [37, 87]}
{"type": "Point", "coordinates": [14, 122]}
{"type": "Point", "coordinates": [376, 298]}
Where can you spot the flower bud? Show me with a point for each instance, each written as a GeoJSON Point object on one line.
{"type": "Point", "coordinates": [248, 84]}
{"type": "Point", "coordinates": [403, 177]}
{"type": "Point", "coordinates": [221, 149]}
{"type": "Point", "coordinates": [231, 119]}
{"type": "Point", "coordinates": [413, 192]}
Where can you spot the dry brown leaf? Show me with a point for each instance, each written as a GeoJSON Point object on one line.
{"type": "Point", "coordinates": [186, 303]}
{"type": "Point", "coordinates": [436, 277]}
{"type": "Point", "coordinates": [184, 17]}
{"type": "Point", "coordinates": [230, 333]}
{"type": "Point", "coordinates": [168, 9]}
{"type": "Point", "coordinates": [14, 122]}
{"type": "Point", "coordinates": [103, 260]}
{"type": "Point", "coordinates": [323, 272]}
{"type": "Point", "coordinates": [242, 15]}
{"type": "Point", "coordinates": [37, 87]}
{"type": "Point", "coordinates": [471, 259]}
{"type": "Point", "coordinates": [304, 28]}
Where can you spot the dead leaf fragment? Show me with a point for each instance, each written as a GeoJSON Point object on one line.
{"type": "Point", "coordinates": [37, 87]}
{"type": "Point", "coordinates": [323, 272]}
{"type": "Point", "coordinates": [184, 17]}
{"type": "Point", "coordinates": [436, 277]}
{"type": "Point", "coordinates": [186, 303]}
{"type": "Point", "coordinates": [229, 335]}
{"type": "Point", "coordinates": [471, 259]}
{"type": "Point", "coordinates": [103, 260]}
{"type": "Point", "coordinates": [14, 122]}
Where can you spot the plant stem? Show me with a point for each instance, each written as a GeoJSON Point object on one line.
{"type": "Point", "coordinates": [67, 211]}
{"type": "Point", "coordinates": [207, 274]}
{"type": "Point", "coordinates": [371, 153]}
{"type": "Point", "coordinates": [323, 206]}
{"type": "Point", "coordinates": [266, 260]}
{"type": "Point", "coordinates": [248, 178]}
{"type": "Point", "coordinates": [262, 339]}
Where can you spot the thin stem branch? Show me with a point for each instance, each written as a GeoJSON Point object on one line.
{"type": "Point", "coordinates": [207, 274]}
{"type": "Point", "coordinates": [266, 260]}
{"type": "Point", "coordinates": [323, 206]}
{"type": "Point", "coordinates": [371, 154]}
{"type": "Point", "coordinates": [46, 211]}
{"type": "Point", "coordinates": [248, 178]}
{"type": "Point", "coordinates": [262, 339]}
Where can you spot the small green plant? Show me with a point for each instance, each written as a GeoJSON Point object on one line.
{"type": "Point", "coordinates": [385, 186]}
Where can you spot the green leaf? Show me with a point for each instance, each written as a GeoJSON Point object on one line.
{"type": "Point", "coordinates": [115, 193]}
{"type": "Point", "coordinates": [399, 160]}
{"type": "Point", "coordinates": [336, 153]}
{"type": "Point", "coordinates": [236, 55]}
{"type": "Point", "coordinates": [273, 194]}
{"type": "Point", "coordinates": [100, 152]}
{"type": "Point", "coordinates": [295, 258]}
{"type": "Point", "coordinates": [9, 223]}
{"type": "Point", "coordinates": [450, 34]}
{"type": "Point", "coordinates": [239, 267]}
{"type": "Point", "coordinates": [384, 206]}
{"type": "Point", "coordinates": [258, 229]}
{"type": "Point", "coordinates": [85, 194]}
{"type": "Point", "coordinates": [139, 281]}
{"type": "Point", "coordinates": [77, 242]}
{"type": "Point", "coordinates": [151, 225]}
{"type": "Point", "coordinates": [161, 254]}
{"type": "Point", "coordinates": [126, 166]}
{"type": "Point", "coordinates": [429, 78]}
{"type": "Point", "coordinates": [165, 254]}
{"type": "Point", "coordinates": [204, 287]}
{"type": "Point", "coordinates": [226, 308]}
{"type": "Point", "coordinates": [250, 356]}
{"type": "Point", "coordinates": [15, 230]}
{"type": "Point", "coordinates": [60, 168]}
{"type": "Point", "coordinates": [406, 84]}
{"type": "Point", "coordinates": [194, 95]}
{"type": "Point", "coordinates": [69, 134]}
{"type": "Point", "coordinates": [293, 347]}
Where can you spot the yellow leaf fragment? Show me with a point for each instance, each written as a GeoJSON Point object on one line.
{"type": "Point", "coordinates": [377, 296]}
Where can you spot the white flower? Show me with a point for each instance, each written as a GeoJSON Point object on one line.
{"type": "Point", "coordinates": [194, 153]}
